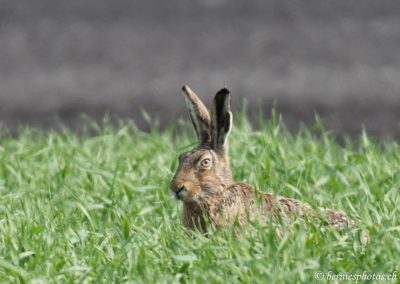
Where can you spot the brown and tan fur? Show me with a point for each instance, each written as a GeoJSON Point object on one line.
{"type": "Point", "coordinates": [204, 181]}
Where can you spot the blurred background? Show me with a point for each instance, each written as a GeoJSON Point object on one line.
{"type": "Point", "coordinates": [340, 59]}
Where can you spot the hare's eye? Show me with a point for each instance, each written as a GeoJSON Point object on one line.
{"type": "Point", "coordinates": [205, 163]}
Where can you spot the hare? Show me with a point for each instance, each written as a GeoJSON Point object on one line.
{"type": "Point", "coordinates": [204, 183]}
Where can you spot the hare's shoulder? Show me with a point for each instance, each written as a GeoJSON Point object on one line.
{"type": "Point", "coordinates": [241, 188]}
{"type": "Point", "coordinates": [282, 203]}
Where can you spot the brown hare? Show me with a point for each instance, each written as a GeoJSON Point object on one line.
{"type": "Point", "coordinates": [204, 182]}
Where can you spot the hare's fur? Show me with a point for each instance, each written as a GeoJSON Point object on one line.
{"type": "Point", "coordinates": [204, 182]}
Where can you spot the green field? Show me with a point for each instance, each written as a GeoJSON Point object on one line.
{"type": "Point", "coordinates": [95, 207]}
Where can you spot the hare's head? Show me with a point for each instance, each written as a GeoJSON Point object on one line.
{"type": "Point", "coordinates": [204, 171]}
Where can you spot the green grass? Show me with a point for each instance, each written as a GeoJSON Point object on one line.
{"type": "Point", "coordinates": [97, 208]}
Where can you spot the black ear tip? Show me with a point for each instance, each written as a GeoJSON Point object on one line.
{"type": "Point", "coordinates": [223, 91]}
{"type": "Point", "coordinates": [184, 88]}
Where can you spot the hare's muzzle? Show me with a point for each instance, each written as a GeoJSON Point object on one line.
{"type": "Point", "coordinates": [178, 187]}
{"type": "Point", "coordinates": [179, 192]}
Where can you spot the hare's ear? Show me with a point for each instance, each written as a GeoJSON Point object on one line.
{"type": "Point", "coordinates": [198, 114]}
{"type": "Point", "coordinates": [221, 120]}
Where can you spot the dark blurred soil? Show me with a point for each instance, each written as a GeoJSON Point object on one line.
{"type": "Point", "coordinates": [340, 59]}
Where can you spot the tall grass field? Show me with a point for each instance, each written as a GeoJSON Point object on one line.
{"type": "Point", "coordinates": [96, 207]}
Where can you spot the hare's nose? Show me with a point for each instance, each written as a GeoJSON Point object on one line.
{"type": "Point", "coordinates": [180, 191]}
